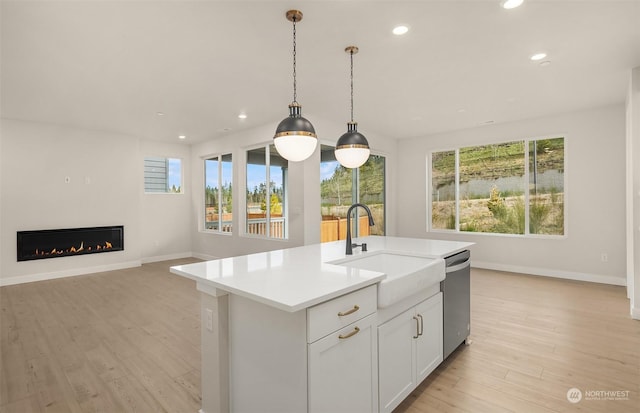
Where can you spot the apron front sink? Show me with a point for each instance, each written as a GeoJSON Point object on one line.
{"type": "Point", "coordinates": [405, 274]}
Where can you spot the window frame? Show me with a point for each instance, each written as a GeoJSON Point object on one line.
{"type": "Point", "coordinates": [203, 227]}
{"type": "Point", "coordinates": [526, 193]}
{"type": "Point", "coordinates": [355, 188]}
{"type": "Point", "coordinates": [267, 146]}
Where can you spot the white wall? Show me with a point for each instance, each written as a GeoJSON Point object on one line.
{"type": "Point", "coordinates": [166, 220]}
{"type": "Point", "coordinates": [36, 158]}
{"type": "Point", "coordinates": [595, 154]}
{"type": "Point", "coordinates": [1, 197]}
{"type": "Point", "coordinates": [633, 192]}
{"type": "Point", "coordinates": [304, 191]}
{"type": "Point", "coordinates": [105, 188]}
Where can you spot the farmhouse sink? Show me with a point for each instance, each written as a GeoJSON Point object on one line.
{"type": "Point", "coordinates": [405, 274]}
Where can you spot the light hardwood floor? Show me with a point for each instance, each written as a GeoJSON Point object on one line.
{"type": "Point", "coordinates": [120, 341]}
{"type": "Point", "coordinates": [129, 341]}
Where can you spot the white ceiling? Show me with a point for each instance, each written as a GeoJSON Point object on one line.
{"type": "Point", "coordinates": [112, 65]}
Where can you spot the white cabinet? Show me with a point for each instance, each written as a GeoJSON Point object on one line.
{"type": "Point", "coordinates": [343, 370]}
{"type": "Point", "coordinates": [338, 313]}
{"type": "Point", "coordinates": [323, 359]}
{"type": "Point", "coordinates": [343, 356]}
{"type": "Point", "coordinates": [395, 361]}
{"type": "Point", "coordinates": [409, 349]}
{"type": "Point", "coordinates": [429, 343]}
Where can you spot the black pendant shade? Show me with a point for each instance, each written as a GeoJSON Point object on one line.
{"type": "Point", "coordinates": [352, 138]}
{"type": "Point", "coordinates": [295, 122]}
{"type": "Point", "coordinates": [295, 138]}
{"type": "Point", "coordinates": [352, 149]}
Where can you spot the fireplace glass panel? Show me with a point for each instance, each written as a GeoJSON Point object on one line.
{"type": "Point", "coordinates": [53, 243]}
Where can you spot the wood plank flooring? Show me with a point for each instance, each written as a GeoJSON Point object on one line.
{"type": "Point", "coordinates": [129, 341]}
{"type": "Point", "coordinates": [534, 338]}
{"type": "Point", "coordinates": [119, 341]}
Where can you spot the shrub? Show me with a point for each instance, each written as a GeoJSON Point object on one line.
{"type": "Point", "coordinates": [509, 220]}
{"type": "Point", "coordinates": [538, 214]}
{"type": "Point", "coordinates": [496, 204]}
{"type": "Point", "coordinates": [451, 221]}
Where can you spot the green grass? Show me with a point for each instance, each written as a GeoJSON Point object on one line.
{"type": "Point", "coordinates": [496, 160]}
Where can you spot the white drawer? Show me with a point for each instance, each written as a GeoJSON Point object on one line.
{"type": "Point", "coordinates": [335, 314]}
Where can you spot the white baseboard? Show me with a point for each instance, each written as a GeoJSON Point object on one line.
{"type": "Point", "coordinates": [205, 257]}
{"type": "Point", "coordinates": [100, 268]}
{"type": "Point", "coordinates": [548, 272]}
{"type": "Point", "coordinates": [67, 273]}
{"type": "Point", "coordinates": [635, 313]}
{"type": "Point", "coordinates": [157, 258]}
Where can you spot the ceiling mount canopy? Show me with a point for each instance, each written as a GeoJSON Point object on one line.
{"type": "Point", "coordinates": [352, 149]}
{"type": "Point", "coordinates": [295, 136]}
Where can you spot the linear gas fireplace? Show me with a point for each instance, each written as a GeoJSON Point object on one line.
{"type": "Point", "coordinates": [53, 243]}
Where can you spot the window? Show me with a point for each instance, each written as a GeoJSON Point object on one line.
{"type": "Point", "coordinates": [218, 193]}
{"type": "Point", "coordinates": [491, 187]}
{"type": "Point", "coordinates": [162, 175]}
{"type": "Point", "coordinates": [507, 188]}
{"type": "Point", "coordinates": [443, 182]}
{"type": "Point", "coordinates": [267, 193]}
{"type": "Point", "coordinates": [546, 186]}
{"type": "Point", "coordinates": [341, 187]}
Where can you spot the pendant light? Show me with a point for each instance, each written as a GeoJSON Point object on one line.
{"type": "Point", "coordinates": [352, 149]}
{"type": "Point", "coordinates": [295, 137]}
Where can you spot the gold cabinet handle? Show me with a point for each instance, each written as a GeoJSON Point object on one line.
{"type": "Point", "coordinates": [353, 310]}
{"type": "Point", "coordinates": [417, 326]}
{"type": "Point", "coordinates": [355, 331]}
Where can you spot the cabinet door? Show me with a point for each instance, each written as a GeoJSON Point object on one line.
{"type": "Point", "coordinates": [343, 372]}
{"type": "Point", "coordinates": [395, 359]}
{"type": "Point", "coordinates": [429, 343]}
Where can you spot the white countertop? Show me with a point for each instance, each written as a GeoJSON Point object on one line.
{"type": "Point", "coordinates": [297, 278]}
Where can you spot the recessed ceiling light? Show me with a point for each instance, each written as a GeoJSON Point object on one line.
{"type": "Point", "coordinates": [182, 137]}
{"type": "Point", "coordinates": [242, 116]}
{"type": "Point", "coordinates": [462, 110]}
{"type": "Point", "coordinates": [538, 56]}
{"type": "Point", "coordinates": [400, 30]}
{"type": "Point", "coordinates": [160, 113]}
{"type": "Point", "coordinates": [511, 4]}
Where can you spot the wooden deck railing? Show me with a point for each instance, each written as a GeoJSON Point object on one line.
{"type": "Point", "coordinates": [258, 226]}
{"type": "Point", "coordinates": [213, 223]}
{"type": "Point", "coordinates": [331, 229]}
{"type": "Point", "coordinates": [335, 228]}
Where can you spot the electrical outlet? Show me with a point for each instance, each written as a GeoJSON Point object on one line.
{"type": "Point", "coordinates": [209, 321]}
{"type": "Point", "coordinates": [604, 257]}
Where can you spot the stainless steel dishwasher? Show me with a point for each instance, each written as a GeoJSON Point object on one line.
{"type": "Point", "coordinates": [456, 301]}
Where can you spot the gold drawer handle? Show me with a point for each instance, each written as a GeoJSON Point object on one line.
{"type": "Point", "coordinates": [353, 310]}
{"type": "Point", "coordinates": [355, 331]}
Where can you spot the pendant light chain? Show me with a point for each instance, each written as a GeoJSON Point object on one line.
{"type": "Point", "coordinates": [351, 54]}
{"type": "Point", "coordinates": [352, 149]}
{"type": "Point", "coordinates": [295, 138]}
{"type": "Point", "coordinates": [295, 93]}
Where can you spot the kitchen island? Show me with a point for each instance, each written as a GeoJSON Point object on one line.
{"type": "Point", "coordinates": [297, 329]}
